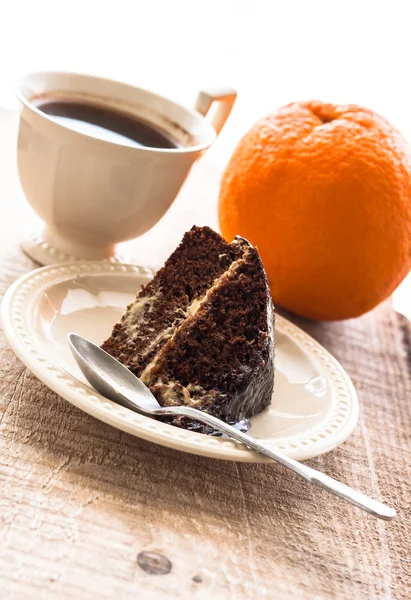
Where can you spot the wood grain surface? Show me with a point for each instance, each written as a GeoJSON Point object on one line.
{"type": "Point", "coordinates": [87, 511]}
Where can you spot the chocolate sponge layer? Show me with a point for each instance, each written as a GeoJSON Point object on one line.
{"type": "Point", "coordinates": [201, 332]}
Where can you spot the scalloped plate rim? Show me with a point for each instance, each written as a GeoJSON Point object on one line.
{"type": "Point", "coordinates": [18, 328]}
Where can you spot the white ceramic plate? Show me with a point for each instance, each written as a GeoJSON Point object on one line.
{"type": "Point", "coordinates": [314, 406]}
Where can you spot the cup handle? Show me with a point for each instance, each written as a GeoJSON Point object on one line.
{"type": "Point", "coordinates": [225, 97]}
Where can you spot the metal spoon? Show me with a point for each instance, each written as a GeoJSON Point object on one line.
{"type": "Point", "coordinates": [114, 381]}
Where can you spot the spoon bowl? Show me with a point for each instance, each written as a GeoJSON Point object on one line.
{"type": "Point", "coordinates": [109, 377]}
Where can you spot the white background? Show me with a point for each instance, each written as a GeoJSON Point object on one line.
{"type": "Point", "coordinates": [273, 52]}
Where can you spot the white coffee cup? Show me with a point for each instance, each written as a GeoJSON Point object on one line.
{"type": "Point", "coordinates": [93, 193]}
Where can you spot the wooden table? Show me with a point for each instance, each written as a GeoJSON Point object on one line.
{"type": "Point", "coordinates": [80, 501]}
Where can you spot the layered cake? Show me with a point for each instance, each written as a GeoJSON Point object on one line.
{"type": "Point", "coordinates": [201, 333]}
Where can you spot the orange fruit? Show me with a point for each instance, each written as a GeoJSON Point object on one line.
{"type": "Point", "coordinates": [324, 191]}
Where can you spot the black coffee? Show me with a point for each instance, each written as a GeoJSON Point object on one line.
{"type": "Point", "coordinates": [105, 124]}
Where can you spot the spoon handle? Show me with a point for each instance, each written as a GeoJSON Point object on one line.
{"type": "Point", "coordinates": [375, 508]}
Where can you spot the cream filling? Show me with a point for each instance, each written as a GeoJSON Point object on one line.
{"type": "Point", "coordinates": [172, 397]}
{"type": "Point", "coordinates": [145, 375]}
{"type": "Point", "coordinates": [195, 305]}
{"type": "Point", "coordinates": [163, 335]}
{"type": "Point", "coordinates": [130, 319]}
{"type": "Point", "coordinates": [168, 334]}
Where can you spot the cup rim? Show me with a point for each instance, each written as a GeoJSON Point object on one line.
{"type": "Point", "coordinates": [211, 134]}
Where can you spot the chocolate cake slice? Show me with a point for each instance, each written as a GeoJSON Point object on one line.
{"type": "Point", "coordinates": [201, 333]}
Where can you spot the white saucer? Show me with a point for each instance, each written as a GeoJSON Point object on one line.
{"type": "Point", "coordinates": [314, 407]}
